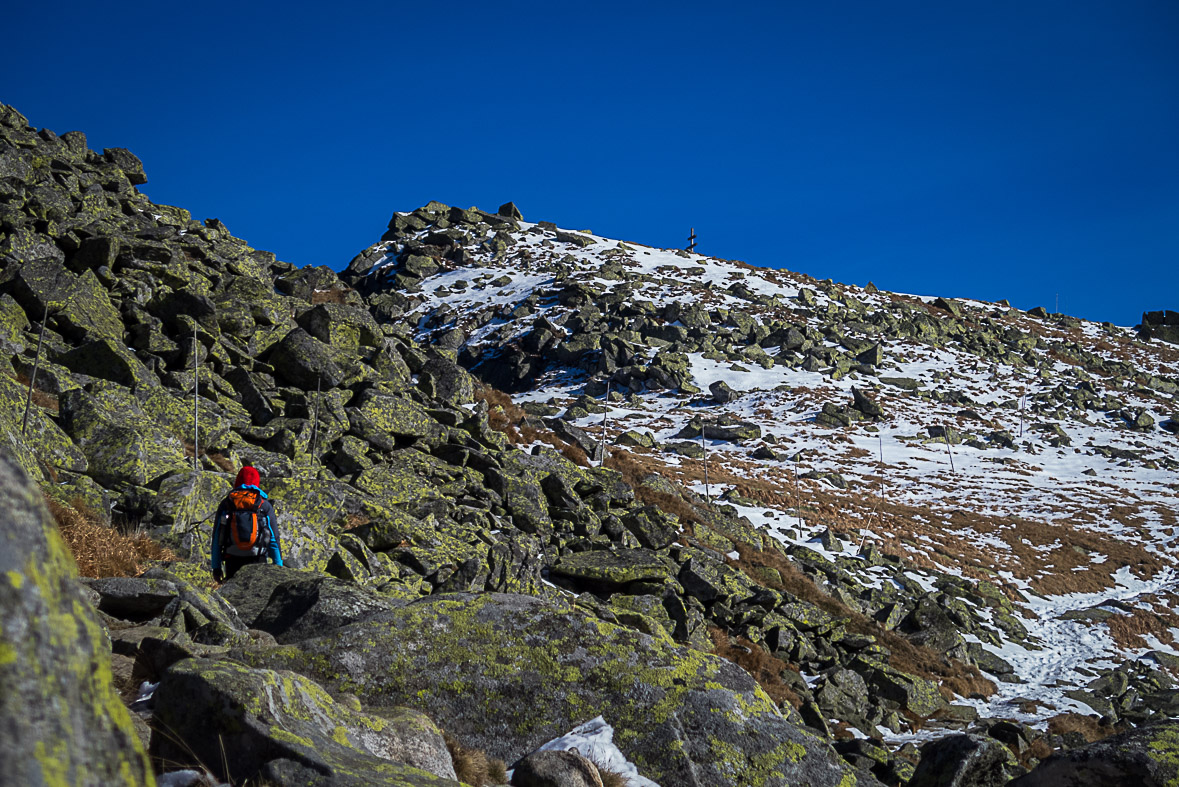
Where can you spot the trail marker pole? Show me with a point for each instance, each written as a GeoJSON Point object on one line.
{"type": "Point", "coordinates": [24, 424]}
{"type": "Point", "coordinates": [1023, 396]}
{"type": "Point", "coordinates": [798, 494]}
{"type": "Point", "coordinates": [605, 416]}
{"type": "Point", "coordinates": [704, 445]}
{"type": "Point", "coordinates": [691, 240]}
{"type": "Point", "coordinates": [315, 422]}
{"type": "Point", "coordinates": [196, 394]}
{"type": "Point", "coordinates": [946, 435]}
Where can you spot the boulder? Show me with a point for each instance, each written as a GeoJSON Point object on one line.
{"type": "Point", "coordinates": [108, 359]}
{"type": "Point", "coordinates": [517, 671]}
{"type": "Point", "coordinates": [613, 569]}
{"type": "Point", "coordinates": [254, 724]}
{"type": "Point", "coordinates": [1143, 756]}
{"type": "Point", "coordinates": [63, 721]}
{"type": "Point", "coordinates": [122, 444]}
{"type": "Point", "coordinates": [343, 327]}
{"type": "Point", "coordinates": [305, 362]}
{"type": "Point", "coordinates": [966, 761]}
{"type": "Point", "coordinates": [555, 769]}
{"type": "Point", "coordinates": [721, 392]}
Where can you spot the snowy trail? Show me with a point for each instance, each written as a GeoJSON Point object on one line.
{"type": "Point", "coordinates": [1071, 649]}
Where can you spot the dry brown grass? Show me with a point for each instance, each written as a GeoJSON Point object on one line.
{"type": "Point", "coordinates": [329, 296]}
{"type": "Point", "coordinates": [505, 416]}
{"type": "Point", "coordinates": [353, 521]}
{"type": "Point", "coordinates": [611, 778]}
{"type": "Point", "coordinates": [40, 398]}
{"type": "Point", "coordinates": [766, 669]}
{"type": "Point", "coordinates": [473, 766]}
{"type": "Point", "coordinates": [1091, 728]}
{"type": "Point", "coordinates": [100, 550]}
{"type": "Point", "coordinates": [1127, 629]}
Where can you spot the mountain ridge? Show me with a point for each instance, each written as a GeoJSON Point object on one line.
{"type": "Point", "coordinates": [408, 491]}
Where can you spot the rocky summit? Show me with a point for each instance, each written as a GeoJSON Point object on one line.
{"type": "Point", "coordinates": [560, 509]}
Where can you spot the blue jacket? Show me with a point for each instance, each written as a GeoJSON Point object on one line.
{"type": "Point", "coordinates": [268, 542]}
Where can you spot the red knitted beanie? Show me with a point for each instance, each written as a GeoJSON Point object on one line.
{"type": "Point", "coordinates": [247, 476]}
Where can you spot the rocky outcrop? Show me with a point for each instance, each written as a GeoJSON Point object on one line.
{"type": "Point", "coordinates": [63, 720]}
{"type": "Point", "coordinates": [514, 671]}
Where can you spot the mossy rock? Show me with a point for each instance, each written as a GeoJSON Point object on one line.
{"type": "Point", "coordinates": [377, 415]}
{"type": "Point", "coordinates": [280, 727]}
{"type": "Point", "coordinates": [506, 673]}
{"type": "Point", "coordinates": [64, 722]}
{"type": "Point", "coordinates": [607, 570]}
{"type": "Point", "coordinates": [122, 444]}
{"type": "Point", "coordinates": [43, 443]}
{"type": "Point", "coordinates": [306, 512]}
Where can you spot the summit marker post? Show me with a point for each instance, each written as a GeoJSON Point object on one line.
{"type": "Point", "coordinates": [691, 240]}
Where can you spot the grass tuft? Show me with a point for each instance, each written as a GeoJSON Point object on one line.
{"type": "Point", "coordinates": [100, 550]}
{"type": "Point", "coordinates": [474, 767]}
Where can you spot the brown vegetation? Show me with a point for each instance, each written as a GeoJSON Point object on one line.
{"type": "Point", "coordinates": [766, 669]}
{"type": "Point", "coordinates": [40, 398]}
{"type": "Point", "coordinates": [330, 296]}
{"type": "Point", "coordinates": [507, 417]}
{"type": "Point", "coordinates": [1089, 726]}
{"type": "Point", "coordinates": [100, 550]}
{"type": "Point", "coordinates": [474, 767]}
{"type": "Point", "coordinates": [1127, 629]}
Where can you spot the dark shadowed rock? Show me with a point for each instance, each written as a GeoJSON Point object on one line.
{"type": "Point", "coordinates": [63, 723]}
{"type": "Point", "coordinates": [964, 761]}
{"type": "Point", "coordinates": [1143, 757]}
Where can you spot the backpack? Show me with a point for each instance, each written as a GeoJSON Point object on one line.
{"type": "Point", "coordinates": [244, 530]}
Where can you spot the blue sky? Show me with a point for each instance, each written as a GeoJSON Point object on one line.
{"type": "Point", "coordinates": [1021, 150]}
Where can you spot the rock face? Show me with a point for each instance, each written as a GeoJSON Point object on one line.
{"type": "Point", "coordinates": [1162, 325]}
{"type": "Point", "coordinates": [63, 721]}
{"type": "Point", "coordinates": [511, 672]}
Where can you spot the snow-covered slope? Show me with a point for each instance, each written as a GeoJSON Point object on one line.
{"type": "Point", "coordinates": [1034, 451]}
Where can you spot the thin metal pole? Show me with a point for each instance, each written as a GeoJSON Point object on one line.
{"type": "Point", "coordinates": [24, 424]}
{"type": "Point", "coordinates": [946, 435]}
{"type": "Point", "coordinates": [196, 394]}
{"type": "Point", "coordinates": [315, 424]}
{"type": "Point", "coordinates": [1023, 397]}
{"type": "Point", "coordinates": [605, 415]}
{"type": "Point", "coordinates": [798, 494]}
{"type": "Point", "coordinates": [704, 445]}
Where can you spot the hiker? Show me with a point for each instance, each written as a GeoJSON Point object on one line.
{"type": "Point", "coordinates": [243, 527]}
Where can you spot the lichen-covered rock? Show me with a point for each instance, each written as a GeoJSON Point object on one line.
{"type": "Point", "coordinates": [121, 443]}
{"type": "Point", "coordinates": [608, 570]}
{"type": "Point", "coordinates": [63, 721]}
{"type": "Point", "coordinates": [238, 721]}
{"type": "Point", "coordinates": [506, 673]}
{"type": "Point", "coordinates": [1145, 756]}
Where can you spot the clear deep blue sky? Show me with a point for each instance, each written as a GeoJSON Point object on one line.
{"type": "Point", "coordinates": [983, 149]}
